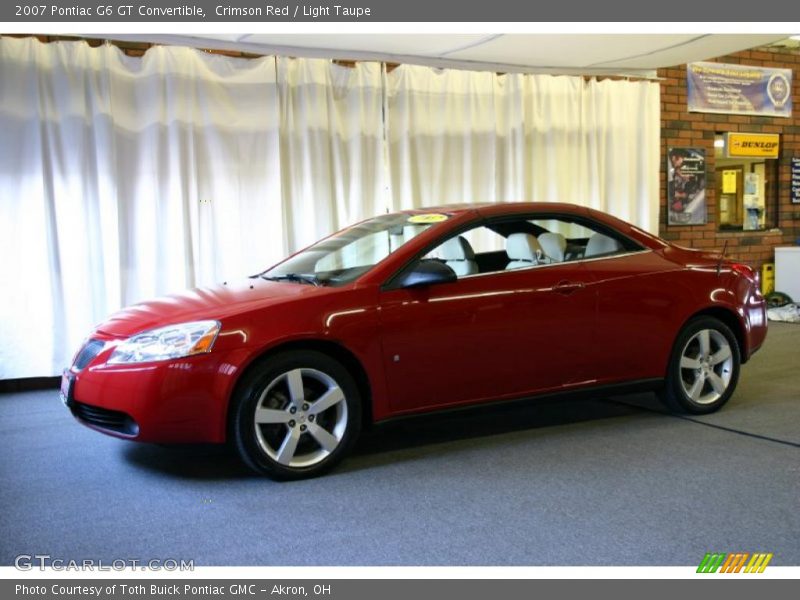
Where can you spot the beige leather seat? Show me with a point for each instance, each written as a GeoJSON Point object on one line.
{"type": "Point", "coordinates": [554, 246]}
{"type": "Point", "coordinates": [600, 244]}
{"type": "Point", "coordinates": [459, 256]}
{"type": "Point", "coordinates": [523, 250]}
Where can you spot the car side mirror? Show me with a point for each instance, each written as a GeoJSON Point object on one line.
{"type": "Point", "coordinates": [427, 272]}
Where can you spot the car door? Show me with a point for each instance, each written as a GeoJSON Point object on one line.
{"type": "Point", "coordinates": [486, 336]}
{"type": "Point", "coordinates": [637, 292]}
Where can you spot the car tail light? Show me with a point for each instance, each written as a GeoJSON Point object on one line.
{"type": "Point", "coordinates": [745, 270]}
{"type": "Point", "coordinates": [750, 274]}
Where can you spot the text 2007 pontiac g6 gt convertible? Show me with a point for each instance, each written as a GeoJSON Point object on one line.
{"type": "Point", "coordinates": [413, 312]}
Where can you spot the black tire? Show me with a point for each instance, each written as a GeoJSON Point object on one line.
{"type": "Point", "coordinates": [696, 382]}
{"type": "Point", "coordinates": [289, 430]}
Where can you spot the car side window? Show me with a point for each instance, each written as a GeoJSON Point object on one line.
{"type": "Point", "coordinates": [477, 250]}
{"type": "Point", "coordinates": [565, 240]}
{"type": "Point", "coordinates": [525, 242]}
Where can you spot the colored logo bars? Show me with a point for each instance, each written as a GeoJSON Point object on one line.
{"type": "Point", "coordinates": [734, 562]}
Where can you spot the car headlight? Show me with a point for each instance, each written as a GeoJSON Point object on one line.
{"type": "Point", "coordinates": [164, 343]}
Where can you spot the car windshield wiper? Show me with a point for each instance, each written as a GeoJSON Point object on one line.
{"type": "Point", "coordinates": [298, 277]}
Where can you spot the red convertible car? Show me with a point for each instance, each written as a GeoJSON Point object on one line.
{"type": "Point", "coordinates": [419, 311]}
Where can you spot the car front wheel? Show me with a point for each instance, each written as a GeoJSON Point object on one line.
{"type": "Point", "coordinates": [295, 415]}
{"type": "Point", "coordinates": [703, 369]}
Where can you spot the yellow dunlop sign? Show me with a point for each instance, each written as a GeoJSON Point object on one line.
{"type": "Point", "coordinates": [752, 145]}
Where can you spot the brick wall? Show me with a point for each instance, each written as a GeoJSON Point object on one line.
{"type": "Point", "coordinates": [681, 128]}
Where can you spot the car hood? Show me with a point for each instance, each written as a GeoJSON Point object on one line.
{"type": "Point", "coordinates": [214, 302]}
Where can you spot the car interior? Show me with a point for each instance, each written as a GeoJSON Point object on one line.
{"type": "Point", "coordinates": [523, 243]}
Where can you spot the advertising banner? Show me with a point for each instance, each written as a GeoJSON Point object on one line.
{"type": "Point", "coordinates": [686, 186]}
{"type": "Point", "coordinates": [795, 180]}
{"type": "Point", "coordinates": [739, 89]}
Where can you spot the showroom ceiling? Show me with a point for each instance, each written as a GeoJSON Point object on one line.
{"type": "Point", "coordinates": [629, 54]}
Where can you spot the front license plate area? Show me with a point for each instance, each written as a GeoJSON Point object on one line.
{"type": "Point", "coordinates": [67, 385]}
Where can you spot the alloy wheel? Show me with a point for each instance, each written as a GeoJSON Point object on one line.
{"type": "Point", "coordinates": [706, 366]}
{"type": "Point", "coordinates": [300, 417]}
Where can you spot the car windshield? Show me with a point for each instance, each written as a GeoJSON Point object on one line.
{"type": "Point", "coordinates": [347, 255]}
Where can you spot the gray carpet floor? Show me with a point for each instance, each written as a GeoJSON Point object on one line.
{"type": "Point", "coordinates": [606, 481]}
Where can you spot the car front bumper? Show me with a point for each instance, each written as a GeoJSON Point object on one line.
{"type": "Point", "coordinates": [175, 401]}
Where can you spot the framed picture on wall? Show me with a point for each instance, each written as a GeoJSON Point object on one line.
{"type": "Point", "coordinates": [686, 186]}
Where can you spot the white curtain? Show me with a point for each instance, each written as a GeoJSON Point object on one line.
{"type": "Point", "coordinates": [462, 136]}
{"type": "Point", "coordinates": [124, 178]}
{"type": "Point", "coordinates": [331, 146]}
{"type": "Point", "coordinates": [442, 139]}
{"type": "Point", "coordinates": [623, 126]}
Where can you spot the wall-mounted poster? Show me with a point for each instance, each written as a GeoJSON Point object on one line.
{"type": "Point", "coordinates": [686, 186]}
{"type": "Point", "coordinates": [795, 180]}
{"type": "Point", "coordinates": [739, 89]}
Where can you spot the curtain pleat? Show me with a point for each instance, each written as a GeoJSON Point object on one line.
{"type": "Point", "coordinates": [462, 136]}
{"type": "Point", "coordinates": [331, 136]}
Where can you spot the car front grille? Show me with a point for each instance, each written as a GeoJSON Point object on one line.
{"type": "Point", "coordinates": [90, 349]}
{"type": "Point", "coordinates": [112, 420]}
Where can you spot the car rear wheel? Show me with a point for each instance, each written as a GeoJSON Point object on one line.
{"type": "Point", "coordinates": [703, 369]}
{"type": "Point", "coordinates": [296, 415]}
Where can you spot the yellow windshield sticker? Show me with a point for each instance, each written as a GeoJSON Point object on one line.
{"type": "Point", "coordinates": [427, 218]}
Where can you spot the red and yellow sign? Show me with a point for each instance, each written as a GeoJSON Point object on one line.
{"type": "Point", "coordinates": [752, 145]}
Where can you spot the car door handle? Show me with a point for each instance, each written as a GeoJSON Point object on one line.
{"type": "Point", "coordinates": [568, 287]}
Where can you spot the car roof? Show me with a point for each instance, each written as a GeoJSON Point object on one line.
{"type": "Point", "coordinates": [497, 208]}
